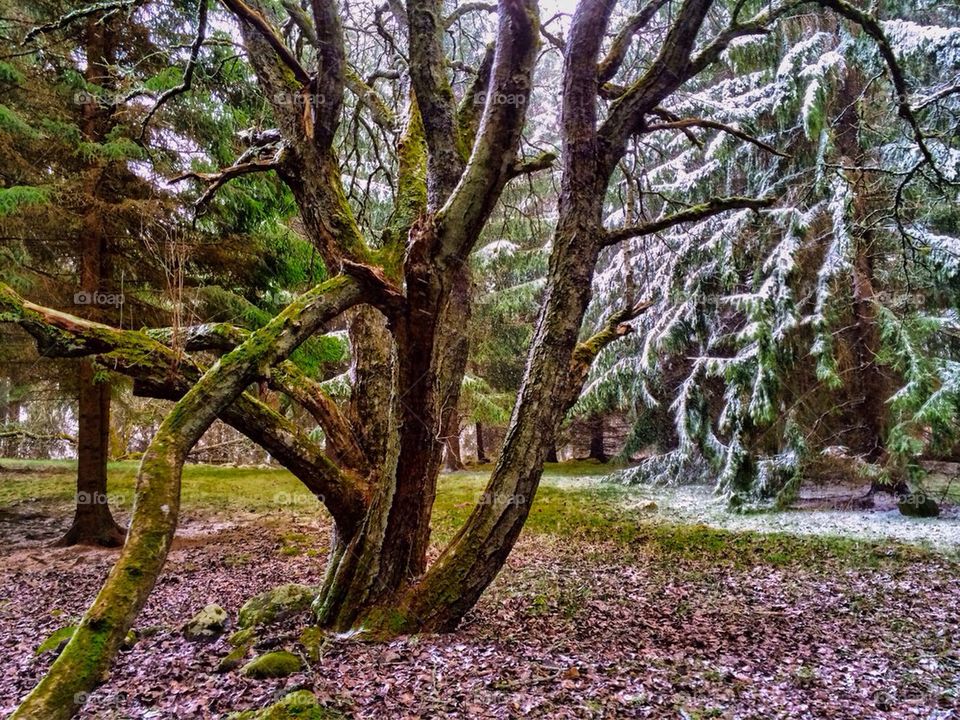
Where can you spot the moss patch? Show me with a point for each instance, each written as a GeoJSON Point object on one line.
{"type": "Point", "coordinates": [276, 604]}
{"type": "Point", "coordinates": [272, 665]}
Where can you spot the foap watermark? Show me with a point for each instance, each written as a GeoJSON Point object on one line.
{"type": "Point", "coordinates": [97, 297]}
{"type": "Point", "coordinates": [99, 498]}
{"type": "Point", "coordinates": [291, 499]}
{"type": "Point", "coordinates": [488, 498]}
{"type": "Point", "coordinates": [499, 98]}
{"type": "Point", "coordinates": [298, 99]}
{"type": "Point", "coordinates": [104, 703]}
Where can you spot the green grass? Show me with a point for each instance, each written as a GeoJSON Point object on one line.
{"type": "Point", "coordinates": [205, 487]}
{"type": "Point", "coordinates": [571, 506]}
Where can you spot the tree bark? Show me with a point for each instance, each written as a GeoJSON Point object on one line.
{"type": "Point", "coordinates": [481, 450]}
{"type": "Point", "coordinates": [84, 660]}
{"type": "Point", "coordinates": [93, 523]}
{"type": "Point", "coordinates": [873, 382]}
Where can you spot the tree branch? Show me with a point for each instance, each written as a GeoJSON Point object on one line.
{"type": "Point", "coordinates": [80, 14]}
{"type": "Point", "coordinates": [616, 326]}
{"type": "Point", "coordinates": [255, 19]}
{"type": "Point", "coordinates": [686, 123]}
{"type": "Point", "coordinates": [610, 65]}
{"type": "Point", "coordinates": [467, 8]}
{"type": "Point", "coordinates": [543, 161]}
{"type": "Point", "coordinates": [217, 180]}
{"type": "Point", "coordinates": [710, 208]}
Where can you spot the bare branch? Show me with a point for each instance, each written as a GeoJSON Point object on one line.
{"type": "Point", "coordinates": [382, 114]}
{"type": "Point", "coordinates": [80, 14]}
{"type": "Point", "coordinates": [710, 208]}
{"type": "Point", "coordinates": [686, 123]}
{"type": "Point", "coordinates": [217, 180]}
{"type": "Point", "coordinates": [467, 8]}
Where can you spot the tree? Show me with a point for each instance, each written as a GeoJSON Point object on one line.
{"type": "Point", "coordinates": [841, 272]}
{"type": "Point", "coordinates": [408, 292]}
{"type": "Point", "coordinates": [88, 218]}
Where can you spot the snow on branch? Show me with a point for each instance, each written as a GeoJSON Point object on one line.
{"type": "Point", "coordinates": [710, 208]}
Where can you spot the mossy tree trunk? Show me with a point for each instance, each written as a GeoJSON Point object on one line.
{"type": "Point", "coordinates": [87, 657]}
{"type": "Point", "coordinates": [409, 337]}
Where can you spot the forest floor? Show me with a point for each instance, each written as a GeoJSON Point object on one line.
{"type": "Point", "coordinates": [617, 602]}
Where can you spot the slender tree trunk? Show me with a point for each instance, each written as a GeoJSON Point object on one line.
{"type": "Point", "coordinates": [481, 450]}
{"type": "Point", "coordinates": [93, 524]}
{"type": "Point", "coordinates": [597, 449]}
{"type": "Point", "coordinates": [552, 453]}
{"type": "Point", "coordinates": [451, 438]}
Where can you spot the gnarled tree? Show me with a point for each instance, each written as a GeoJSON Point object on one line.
{"type": "Point", "coordinates": [405, 292]}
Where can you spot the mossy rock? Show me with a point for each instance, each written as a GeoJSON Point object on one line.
{"type": "Point", "coordinates": [312, 639]}
{"type": "Point", "coordinates": [919, 505]}
{"type": "Point", "coordinates": [233, 659]}
{"type": "Point", "coordinates": [242, 641]}
{"type": "Point", "coordinates": [210, 622]}
{"type": "Point", "coordinates": [57, 640]}
{"type": "Point", "coordinates": [246, 636]}
{"type": "Point", "coordinates": [276, 604]}
{"type": "Point", "coordinates": [298, 705]}
{"type": "Point", "coordinates": [272, 665]}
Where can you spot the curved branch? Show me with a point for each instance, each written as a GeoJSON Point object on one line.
{"type": "Point", "coordinates": [466, 9]}
{"type": "Point", "coordinates": [712, 207]}
{"type": "Point", "coordinates": [95, 642]}
{"type": "Point", "coordinates": [686, 123]}
{"type": "Point", "coordinates": [255, 19]}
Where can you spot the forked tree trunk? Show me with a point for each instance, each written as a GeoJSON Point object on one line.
{"type": "Point", "coordinates": [377, 580]}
